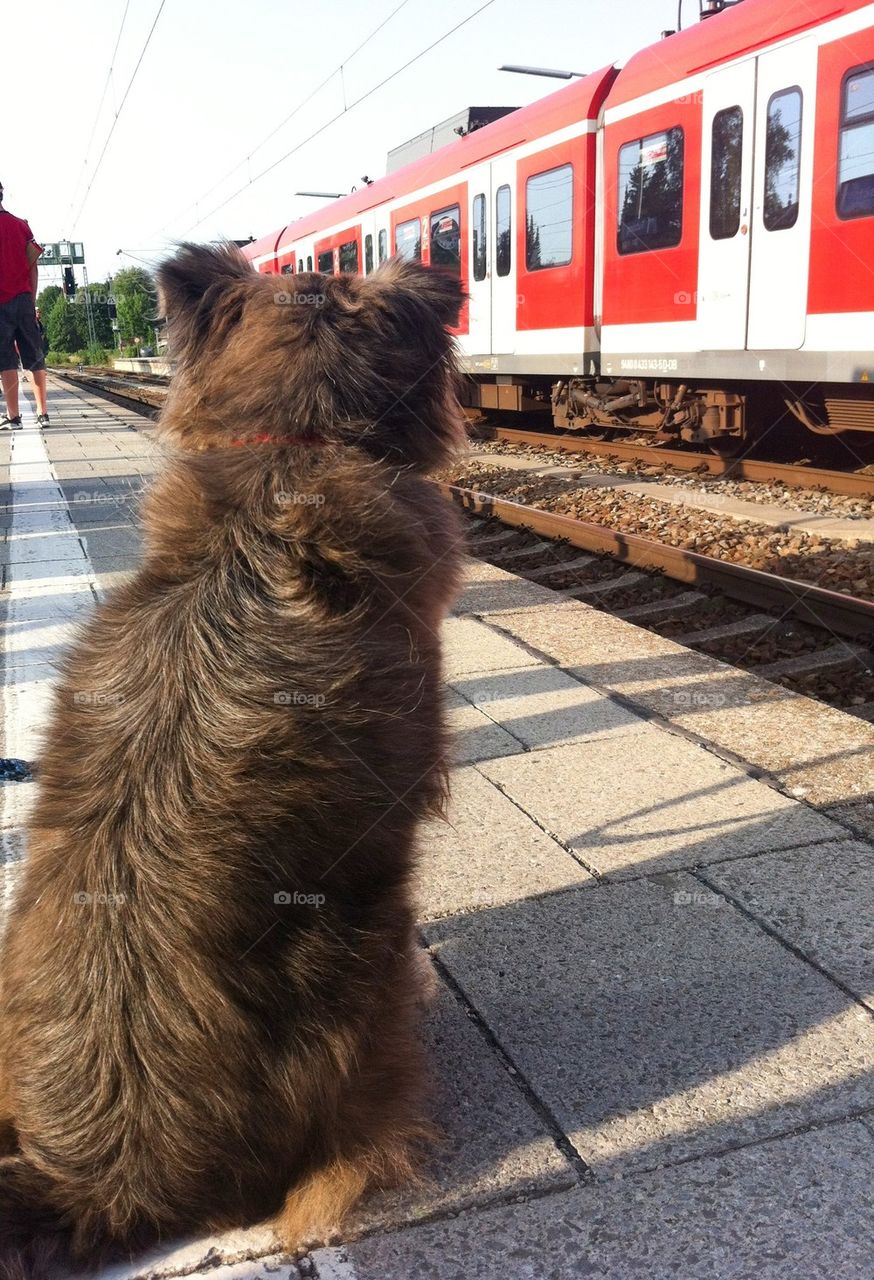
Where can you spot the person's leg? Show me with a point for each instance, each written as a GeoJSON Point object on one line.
{"type": "Point", "coordinates": [39, 389]}
{"type": "Point", "coordinates": [30, 346]}
{"type": "Point", "coordinates": [10, 391]}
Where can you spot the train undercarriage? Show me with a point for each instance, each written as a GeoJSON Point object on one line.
{"type": "Point", "coordinates": [718, 418]}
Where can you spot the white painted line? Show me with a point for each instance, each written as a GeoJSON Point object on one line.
{"type": "Point", "coordinates": [43, 592]}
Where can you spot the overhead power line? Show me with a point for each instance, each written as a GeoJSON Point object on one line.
{"type": "Point", "coordinates": [106, 84]}
{"type": "Point", "coordinates": [338, 70]}
{"type": "Point", "coordinates": [118, 113]}
{"type": "Point", "coordinates": [316, 132]}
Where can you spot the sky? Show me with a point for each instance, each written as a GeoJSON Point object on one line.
{"type": "Point", "coordinates": [185, 141]}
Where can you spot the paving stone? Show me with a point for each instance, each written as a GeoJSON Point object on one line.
{"type": "Point", "coordinates": [859, 817]}
{"type": "Point", "coordinates": [797, 1209]}
{"type": "Point", "coordinates": [28, 643]}
{"type": "Point", "coordinates": [469, 646]}
{"type": "Point", "coordinates": [814, 751]}
{"type": "Point", "coordinates": [657, 1022]}
{"type": "Point", "coordinates": [646, 800]}
{"type": "Point", "coordinates": [488, 589]}
{"type": "Point", "coordinates": [474, 735]}
{"type": "Point", "coordinates": [543, 706]}
{"type": "Point", "coordinates": [118, 541]}
{"type": "Point", "coordinates": [487, 853]}
{"type": "Point", "coordinates": [821, 899]}
{"type": "Point", "coordinates": [493, 1144]}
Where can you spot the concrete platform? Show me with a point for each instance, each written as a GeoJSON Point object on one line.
{"type": "Point", "coordinates": [649, 916]}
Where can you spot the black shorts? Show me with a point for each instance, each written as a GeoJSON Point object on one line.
{"type": "Point", "coordinates": [18, 325]}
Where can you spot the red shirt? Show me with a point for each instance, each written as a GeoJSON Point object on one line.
{"type": "Point", "coordinates": [15, 236]}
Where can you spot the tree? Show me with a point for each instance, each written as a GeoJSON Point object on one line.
{"type": "Point", "coordinates": [65, 325]}
{"type": "Point", "coordinates": [47, 299]}
{"type": "Point", "coordinates": [99, 295]}
{"type": "Point", "coordinates": [136, 302]}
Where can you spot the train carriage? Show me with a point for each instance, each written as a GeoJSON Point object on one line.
{"type": "Point", "coordinates": [684, 246]}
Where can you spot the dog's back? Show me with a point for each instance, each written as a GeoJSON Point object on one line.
{"type": "Point", "coordinates": [209, 986]}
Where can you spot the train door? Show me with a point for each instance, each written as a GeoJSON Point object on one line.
{"type": "Point", "coordinates": [480, 263]}
{"type": "Point", "coordinates": [782, 194]}
{"type": "Point", "coordinates": [726, 205]}
{"type": "Point", "coordinates": [504, 235]}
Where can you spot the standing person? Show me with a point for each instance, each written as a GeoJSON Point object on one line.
{"type": "Point", "coordinates": [19, 254]}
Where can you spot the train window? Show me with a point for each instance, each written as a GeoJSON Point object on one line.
{"type": "Point", "coordinates": [288, 269]}
{"type": "Point", "coordinates": [503, 229]}
{"type": "Point", "coordinates": [368, 255]}
{"type": "Point", "coordinates": [549, 218]}
{"type": "Point", "coordinates": [309, 262]}
{"type": "Point", "coordinates": [479, 238]}
{"type": "Point", "coordinates": [326, 262]}
{"type": "Point", "coordinates": [782, 160]}
{"type": "Point", "coordinates": [651, 192]}
{"type": "Point", "coordinates": [856, 164]}
{"type": "Point", "coordinates": [446, 239]}
{"type": "Point", "coordinates": [408, 240]}
{"type": "Point", "coordinates": [349, 257]}
{"type": "Point", "coordinates": [726, 164]}
{"type": "Point", "coordinates": [383, 245]}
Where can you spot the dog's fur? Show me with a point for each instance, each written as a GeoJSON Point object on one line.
{"type": "Point", "coordinates": [256, 713]}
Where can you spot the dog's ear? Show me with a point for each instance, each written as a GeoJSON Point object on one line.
{"type": "Point", "coordinates": [410, 288]}
{"type": "Point", "coordinates": [191, 288]}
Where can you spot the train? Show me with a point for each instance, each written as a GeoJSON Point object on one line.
{"type": "Point", "coordinates": [683, 246]}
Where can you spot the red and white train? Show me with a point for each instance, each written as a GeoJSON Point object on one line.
{"type": "Point", "coordinates": [683, 246]}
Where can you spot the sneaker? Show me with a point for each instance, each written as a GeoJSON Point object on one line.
{"type": "Point", "coordinates": [42, 419]}
{"type": "Point", "coordinates": [11, 424]}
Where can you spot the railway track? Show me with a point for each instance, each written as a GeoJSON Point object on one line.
{"type": "Point", "coordinates": [809, 639]}
{"type": "Point", "coordinates": [150, 390]}
{"type": "Point", "coordinates": [858, 484]}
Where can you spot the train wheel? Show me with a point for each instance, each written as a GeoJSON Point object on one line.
{"type": "Point", "coordinates": [726, 446]}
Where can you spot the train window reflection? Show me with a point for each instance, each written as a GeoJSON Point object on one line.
{"type": "Point", "coordinates": [408, 240]}
{"type": "Point", "coordinates": [856, 160]}
{"type": "Point", "coordinates": [726, 165]}
{"type": "Point", "coordinates": [368, 255]}
{"type": "Point", "coordinates": [479, 247]}
{"type": "Point", "coordinates": [383, 245]}
{"type": "Point", "coordinates": [349, 257]}
{"type": "Point", "coordinates": [651, 192]}
{"type": "Point", "coordinates": [549, 218]}
{"type": "Point", "coordinates": [326, 262]}
{"type": "Point", "coordinates": [446, 239]}
{"type": "Point", "coordinates": [782, 160]}
{"type": "Point", "coordinates": [503, 241]}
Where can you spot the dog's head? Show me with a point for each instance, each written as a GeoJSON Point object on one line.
{"type": "Point", "coordinates": [365, 360]}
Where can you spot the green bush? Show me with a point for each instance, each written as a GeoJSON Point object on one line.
{"type": "Point", "coordinates": [88, 355]}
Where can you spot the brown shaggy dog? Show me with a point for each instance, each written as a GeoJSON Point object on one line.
{"type": "Point", "coordinates": [209, 983]}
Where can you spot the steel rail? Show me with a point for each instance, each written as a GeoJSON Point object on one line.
{"type": "Point", "coordinates": [834, 611]}
{"type": "Point", "coordinates": [844, 483]}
